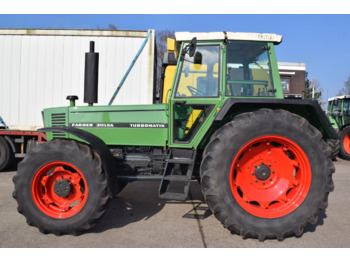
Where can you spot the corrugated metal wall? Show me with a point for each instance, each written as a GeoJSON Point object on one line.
{"type": "Point", "coordinates": [39, 71]}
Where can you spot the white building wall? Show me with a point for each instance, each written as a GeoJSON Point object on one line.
{"type": "Point", "coordinates": [39, 68]}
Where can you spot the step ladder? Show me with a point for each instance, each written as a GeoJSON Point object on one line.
{"type": "Point", "coordinates": [177, 174]}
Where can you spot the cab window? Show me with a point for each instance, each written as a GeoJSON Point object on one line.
{"type": "Point", "coordinates": [199, 74]}
{"type": "Point", "coordinates": [346, 107]}
{"type": "Point", "coordinates": [248, 71]}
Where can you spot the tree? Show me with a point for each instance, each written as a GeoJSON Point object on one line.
{"type": "Point", "coordinates": [346, 89]}
{"type": "Point", "coordinates": [112, 27]}
{"type": "Point", "coordinates": [347, 86]}
{"type": "Point", "coordinates": [308, 90]}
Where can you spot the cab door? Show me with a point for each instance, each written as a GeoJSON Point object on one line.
{"type": "Point", "coordinates": [195, 96]}
{"type": "Point", "coordinates": [337, 111]}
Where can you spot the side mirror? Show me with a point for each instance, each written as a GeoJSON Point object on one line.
{"type": "Point", "coordinates": [198, 58]}
{"type": "Point", "coordinates": [190, 49]}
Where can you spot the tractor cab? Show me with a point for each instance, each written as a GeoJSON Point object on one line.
{"type": "Point", "coordinates": [214, 67]}
{"type": "Point", "coordinates": [338, 110]}
{"type": "Point", "coordinates": [246, 61]}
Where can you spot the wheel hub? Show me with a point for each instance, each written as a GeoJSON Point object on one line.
{"type": "Point", "coordinates": [262, 172]}
{"type": "Point", "coordinates": [270, 176]}
{"type": "Point", "coordinates": [61, 188]}
{"type": "Point", "coordinates": [346, 143]}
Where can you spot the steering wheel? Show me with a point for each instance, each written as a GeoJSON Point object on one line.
{"type": "Point", "coordinates": [194, 91]}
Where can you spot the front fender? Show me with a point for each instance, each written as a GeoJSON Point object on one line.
{"type": "Point", "coordinates": [99, 147]}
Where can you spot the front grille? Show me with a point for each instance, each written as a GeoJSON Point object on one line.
{"type": "Point", "coordinates": [58, 120]}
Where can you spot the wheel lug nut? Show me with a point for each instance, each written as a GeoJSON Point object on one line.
{"type": "Point", "coordinates": [263, 183]}
{"type": "Point", "coordinates": [262, 162]}
{"type": "Point", "coordinates": [270, 179]}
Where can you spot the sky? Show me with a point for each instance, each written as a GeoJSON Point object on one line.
{"type": "Point", "coordinates": [322, 41]}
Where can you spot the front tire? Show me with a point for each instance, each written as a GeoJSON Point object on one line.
{"type": "Point", "coordinates": [60, 187]}
{"type": "Point", "coordinates": [267, 174]}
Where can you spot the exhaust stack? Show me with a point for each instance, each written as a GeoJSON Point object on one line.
{"type": "Point", "coordinates": [91, 76]}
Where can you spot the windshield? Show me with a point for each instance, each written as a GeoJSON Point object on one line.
{"type": "Point", "coordinates": [248, 70]}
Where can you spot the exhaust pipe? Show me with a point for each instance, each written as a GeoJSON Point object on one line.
{"type": "Point", "coordinates": [91, 76]}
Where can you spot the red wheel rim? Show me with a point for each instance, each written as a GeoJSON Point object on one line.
{"type": "Point", "coordinates": [59, 190]}
{"type": "Point", "coordinates": [346, 143]}
{"type": "Point", "coordinates": [270, 176]}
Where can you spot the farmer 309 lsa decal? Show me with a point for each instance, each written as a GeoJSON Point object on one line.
{"type": "Point", "coordinates": [120, 125]}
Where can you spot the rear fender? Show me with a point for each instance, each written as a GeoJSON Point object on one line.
{"type": "Point", "coordinates": [306, 108]}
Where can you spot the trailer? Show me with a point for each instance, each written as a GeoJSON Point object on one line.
{"type": "Point", "coordinates": [39, 68]}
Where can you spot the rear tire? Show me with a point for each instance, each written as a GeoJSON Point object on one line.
{"type": "Point", "coordinates": [6, 154]}
{"type": "Point", "coordinates": [60, 187]}
{"type": "Point", "coordinates": [334, 144]}
{"type": "Point", "coordinates": [249, 158]}
{"type": "Point", "coordinates": [344, 138]}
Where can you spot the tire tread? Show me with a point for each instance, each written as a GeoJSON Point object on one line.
{"type": "Point", "coordinates": [217, 142]}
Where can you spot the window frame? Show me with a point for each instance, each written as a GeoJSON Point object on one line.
{"type": "Point", "coordinates": [181, 70]}
{"type": "Point", "coordinates": [273, 89]}
{"type": "Point", "coordinates": [290, 83]}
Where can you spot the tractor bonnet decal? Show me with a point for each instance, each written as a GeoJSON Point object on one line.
{"type": "Point", "coordinates": [120, 125]}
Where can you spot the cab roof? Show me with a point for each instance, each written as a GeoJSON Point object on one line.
{"type": "Point", "coordinates": [264, 37]}
{"type": "Point", "coordinates": [339, 97]}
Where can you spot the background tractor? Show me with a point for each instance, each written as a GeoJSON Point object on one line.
{"type": "Point", "coordinates": [338, 112]}
{"type": "Point", "coordinates": [262, 160]}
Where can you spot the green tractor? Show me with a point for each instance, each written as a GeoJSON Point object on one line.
{"type": "Point", "coordinates": [262, 161]}
{"type": "Point", "coordinates": [338, 112]}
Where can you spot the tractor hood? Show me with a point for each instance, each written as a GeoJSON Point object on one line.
{"type": "Point", "coordinates": [142, 125]}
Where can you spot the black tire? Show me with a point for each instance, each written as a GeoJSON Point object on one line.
{"type": "Point", "coordinates": [221, 151]}
{"type": "Point", "coordinates": [6, 154]}
{"type": "Point", "coordinates": [92, 186]}
{"type": "Point", "coordinates": [344, 152]}
{"type": "Point", "coordinates": [334, 144]}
